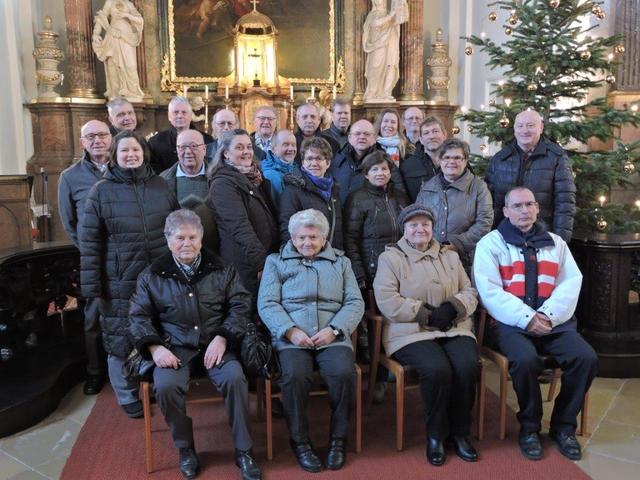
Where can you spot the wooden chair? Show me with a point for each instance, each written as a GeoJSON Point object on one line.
{"type": "Point", "coordinates": [406, 377]}
{"type": "Point", "coordinates": [503, 366]}
{"type": "Point", "coordinates": [197, 397]}
{"type": "Point", "coordinates": [270, 394]}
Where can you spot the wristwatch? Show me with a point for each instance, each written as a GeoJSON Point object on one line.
{"type": "Point", "coordinates": [336, 332]}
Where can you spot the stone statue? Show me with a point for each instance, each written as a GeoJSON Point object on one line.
{"type": "Point", "coordinates": [122, 26]}
{"type": "Point", "coordinates": [381, 43]}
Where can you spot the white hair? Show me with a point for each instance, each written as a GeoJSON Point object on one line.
{"type": "Point", "coordinates": [181, 217]}
{"type": "Point", "coordinates": [309, 218]}
{"type": "Point", "coordinates": [177, 100]}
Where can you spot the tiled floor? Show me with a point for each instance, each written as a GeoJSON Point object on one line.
{"type": "Point", "coordinates": [612, 451]}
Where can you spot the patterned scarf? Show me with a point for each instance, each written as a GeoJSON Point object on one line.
{"type": "Point", "coordinates": [188, 270]}
{"type": "Point", "coordinates": [253, 172]}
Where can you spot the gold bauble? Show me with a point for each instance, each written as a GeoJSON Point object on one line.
{"type": "Point", "coordinates": [532, 87]}
{"type": "Point", "coordinates": [504, 122]}
{"type": "Point", "coordinates": [629, 167]}
{"type": "Point", "coordinates": [468, 50]}
{"type": "Point", "coordinates": [508, 31]}
{"type": "Point", "coordinates": [493, 16]}
{"type": "Point", "coordinates": [601, 224]}
{"type": "Point", "coordinates": [610, 79]}
{"type": "Point", "coordinates": [470, 129]}
{"type": "Point", "coordinates": [619, 48]}
{"type": "Point", "coordinates": [455, 130]}
{"type": "Point", "coordinates": [512, 19]}
{"type": "Point", "coordinates": [554, 3]}
{"type": "Point", "coordinates": [492, 102]}
{"type": "Point", "coordinates": [483, 147]}
{"type": "Point", "coordinates": [598, 11]}
{"type": "Point", "coordinates": [585, 55]}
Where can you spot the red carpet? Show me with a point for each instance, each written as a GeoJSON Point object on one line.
{"type": "Point", "coordinates": [111, 446]}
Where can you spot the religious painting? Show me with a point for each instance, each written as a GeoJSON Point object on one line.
{"type": "Point", "coordinates": [197, 38]}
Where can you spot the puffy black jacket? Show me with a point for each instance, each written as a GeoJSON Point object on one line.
{"type": "Point", "coordinates": [371, 217]}
{"type": "Point", "coordinates": [190, 311]}
{"type": "Point", "coordinates": [247, 223]}
{"type": "Point", "coordinates": [121, 233]}
{"type": "Point", "coordinates": [417, 169]}
{"type": "Point", "coordinates": [547, 173]}
{"type": "Point", "coordinates": [300, 194]}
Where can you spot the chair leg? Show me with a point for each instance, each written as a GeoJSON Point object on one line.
{"type": "Point", "coordinates": [503, 403]}
{"type": "Point", "coordinates": [399, 409]}
{"type": "Point", "coordinates": [358, 409]}
{"type": "Point", "coordinates": [268, 413]}
{"type": "Point", "coordinates": [260, 398]}
{"type": "Point", "coordinates": [583, 416]}
{"type": "Point", "coordinates": [146, 408]}
{"type": "Point", "coordinates": [557, 373]}
{"type": "Point", "coordinates": [482, 384]}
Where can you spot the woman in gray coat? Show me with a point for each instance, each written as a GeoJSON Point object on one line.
{"type": "Point", "coordinates": [460, 201]}
{"type": "Point", "coordinates": [310, 301]}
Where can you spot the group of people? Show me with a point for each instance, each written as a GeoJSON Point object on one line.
{"type": "Point", "coordinates": [187, 238]}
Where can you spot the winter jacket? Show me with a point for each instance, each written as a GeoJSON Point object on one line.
{"type": "Point", "coordinates": [121, 234]}
{"type": "Point", "coordinates": [406, 279]}
{"type": "Point", "coordinates": [73, 187]}
{"type": "Point", "coordinates": [371, 216]}
{"type": "Point", "coordinates": [300, 194]}
{"type": "Point", "coordinates": [162, 147]}
{"type": "Point", "coordinates": [338, 135]}
{"type": "Point", "coordinates": [417, 169]}
{"type": "Point", "coordinates": [547, 173]}
{"type": "Point", "coordinates": [309, 294]}
{"type": "Point", "coordinates": [345, 168]}
{"type": "Point", "coordinates": [274, 169]}
{"type": "Point", "coordinates": [463, 212]}
{"type": "Point", "coordinates": [191, 312]}
{"type": "Point", "coordinates": [247, 223]}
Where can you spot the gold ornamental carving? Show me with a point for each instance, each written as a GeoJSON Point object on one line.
{"type": "Point", "coordinates": [439, 62]}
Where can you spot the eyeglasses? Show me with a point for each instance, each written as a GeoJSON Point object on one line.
{"type": "Point", "coordinates": [192, 147]}
{"type": "Point", "coordinates": [526, 205]}
{"type": "Point", "coordinates": [361, 134]}
{"type": "Point", "coordinates": [92, 136]}
{"type": "Point", "coordinates": [262, 119]}
{"type": "Point", "coordinates": [456, 158]}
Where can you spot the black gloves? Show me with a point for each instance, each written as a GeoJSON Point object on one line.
{"type": "Point", "coordinates": [443, 316]}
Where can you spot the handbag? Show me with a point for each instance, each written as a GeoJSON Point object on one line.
{"type": "Point", "coordinates": [137, 368]}
{"type": "Point", "coordinates": [257, 353]}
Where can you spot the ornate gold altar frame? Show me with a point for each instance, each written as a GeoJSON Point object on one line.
{"type": "Point", "coordinates": [171, 81]}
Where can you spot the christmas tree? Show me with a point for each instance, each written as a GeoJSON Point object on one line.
{"type": "Point", "coordinates": [551, 64]}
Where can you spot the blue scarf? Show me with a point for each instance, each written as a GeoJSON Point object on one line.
{"type": "Point", "coordinates": [323, 184]}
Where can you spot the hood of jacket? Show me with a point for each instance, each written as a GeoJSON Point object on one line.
{"type": "Point", "coordinates": [129, 175]}
{"type": "Point", "coordinates": [273, 162]}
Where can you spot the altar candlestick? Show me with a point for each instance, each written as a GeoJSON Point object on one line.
{"type": "Point", "coordinates": [206, 92]}
{"type": "Point", "coordinates": [313, 92]}
{"type": "Point", "coordinates": [226, 92]}
{"type": "Point", "coordinates": [184, 91]}
{"type": "Point", "coordinates": [291, 92]}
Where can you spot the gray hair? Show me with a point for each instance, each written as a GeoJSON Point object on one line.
{"type": "Point", "coordinates": [182, 217]}
{"type": "Point", "coordinates": [309, 218]}
{"type": "Point", "coordinates": [277, 140]}
{"type": "Point", "coordinates": [265, 107]}
{"type": "Point", "coordinates": [178, 99]}
{"type": "Point", "coordinates": [117, 102]}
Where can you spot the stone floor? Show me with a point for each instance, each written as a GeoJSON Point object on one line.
{"type": "Point", "coordinates": [612, 451]}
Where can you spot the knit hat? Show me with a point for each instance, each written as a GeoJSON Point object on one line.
{"type": "Point", "coordinates": [413, 210]}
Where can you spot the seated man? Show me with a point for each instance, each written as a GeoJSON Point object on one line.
{"type": "Point", "coordinates": [199, 303]}
{"type": "Point", "coordinates": [529, 282]}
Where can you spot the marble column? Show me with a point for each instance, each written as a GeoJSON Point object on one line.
{"type": "Point", "coordinates": [140, 53]}
{"type": "Point", "coordinates": [362, 8]}
{"type": "Point", "coordinates": [626, 23]}
{"type": "Point", "coordinates": [80, 58]}
{"type": "Point", "coordinates": [411, 55]}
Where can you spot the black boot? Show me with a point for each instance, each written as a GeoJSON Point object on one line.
{"type": "Point", "coordinates": [464, 449]}
{"type": "Point", "coordinates": [307, 456]}
{"type": "Point", "coordinates": [435, 452]}
{"type": "Point", "coordinates": [188, 465]}
{"type": "Point", "coordinates": [247, 465]}
{"type": "Point", "coordinates": [337, 453]}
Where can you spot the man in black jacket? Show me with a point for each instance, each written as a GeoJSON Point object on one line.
{"type": "Point", "coordinates": [73, 188]}
{"type": "Point", "coordinates": [422, 166]}
{"type": "Point", "coordinates": [308, 120]}
{"type": "Point", "coordinates": [163, 144]}
{"type": "Point", "coordinates": [340, 121]}
{"type": "Point", "coordinates": [542, 166]}
{"type": "Point", "coordinates": [121, 115]}
{"type": "Point", "coordinates": [196, 301]}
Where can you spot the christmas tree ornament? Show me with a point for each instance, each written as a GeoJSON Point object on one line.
{"type": "Point", "coordinates": [470, 129]}
{"type": "Point", "coordinates": [610, 79]}
{"type": "Point", "coordinates": [508, 31]}
{"type": "Point", "coordinates": [585, 55]}
{"type": "Point", "coordinates": [601, 224]}
{"type": "Point", "coordinates": [598, 11]}
{"type": "Point", "coordinates": [455, 130]}
{"type": "Point", "coordinates": [493, 16]}
{"type": "Point", "coordinates": [468, 50]}
{"type": "Point", "coordinates": [513, 19]}
{"type": "Point", "coordinates": [554, 3]}
{"type": "Point", "coordinates": [492, 102]}
{"type": "Point", "coordinates": [532, 87]}
{"type": "Point", "coordinates": [483, 147]}
{"type": "Point", "coordinates": [619, 48]}
{"type": "Point", "coordinates": [628, 167]}
{"type": "Point", "coordinates": [504, 121]}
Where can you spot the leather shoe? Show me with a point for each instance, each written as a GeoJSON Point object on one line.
{"type": "Point", "coordinates": [567, 445]}
{"type": "Point", "coordinates": [464, 449]}
{"type": "Point", "coordinates": [134, 409]}
{"type": "Point", "coordinates": [435, 452]}
{"type": "Point", "coordinates": [93, 385]}
{"type": "Point", "coordinates": [307, 456]}
{"type": "Point", "coordinates": [247, 465]}
{"type": "Point", "coordinates": [530, 445]}
{"type": "Point", "coordinates": [188, 463]}
{"type": "Point", "coordinates": [337, 454]}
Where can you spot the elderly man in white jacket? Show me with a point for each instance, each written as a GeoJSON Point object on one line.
{"type": "Point", "coordinates": [529, 283]}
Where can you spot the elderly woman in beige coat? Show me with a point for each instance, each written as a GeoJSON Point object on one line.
{"type": "Point", "coordinates": [426, 299]}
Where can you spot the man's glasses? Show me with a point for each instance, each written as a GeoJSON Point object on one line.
{"type": "Point", "coordinates": [92, 136]}
{"type": "Point", "coordinates": [192, 147]}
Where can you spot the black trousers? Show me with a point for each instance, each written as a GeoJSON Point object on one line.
{"type": "Point", "coordinates": [171, 385]}
{"type": "Point", "coordinates": [335, 365]}
{"type": "Point", "coordinates": [448, 373]}
{"type": "Point", "coordinates": [96, 356]}
{"type": "Point", "coordinates": [579, 365]}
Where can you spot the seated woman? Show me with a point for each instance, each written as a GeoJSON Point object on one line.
{"type": "Point", "coordinates": [197, 301]}
{"type": "Point", "coordinates": [390, 138]}
{"type": "Point", "coordinates": [460, 201]}
{"type": "Point", "coordinates": [309, 299]}
{"type": "Point", "coordinates": [426, 299]}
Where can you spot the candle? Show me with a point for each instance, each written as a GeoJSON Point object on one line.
{"type": "Point", "coordinates": [226, 92]}
{"type": "Point", "coordinates": [602, 199]}
{"type": "Point", "coordinates": [184, 91]}
{"type": "Point", "coordinates": [291, 92]}
{"type": "Point", "coordinates": [313, 92]}
{"type": "Point", "coordinates": [206, 92]}
{"type": "Point", "coordinates": [334, 92]}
